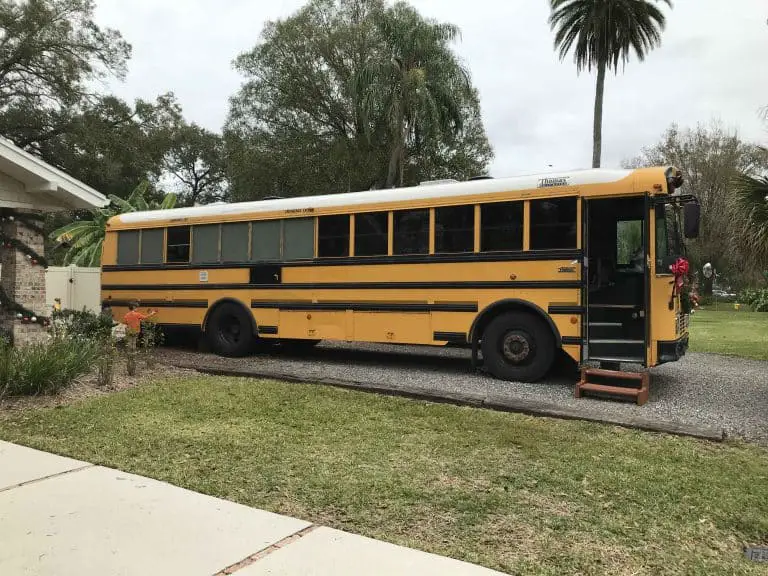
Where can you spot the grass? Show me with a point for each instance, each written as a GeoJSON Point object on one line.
{"type": "Point", "coordinates": [519, 494]}
{"type": "Point", "coordinates": [730, 332]}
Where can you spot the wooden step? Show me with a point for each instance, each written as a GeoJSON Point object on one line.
{"type": "Point", "coordinates": [619, 359]}
{"type": "Point", "coordinates": [614, 385]}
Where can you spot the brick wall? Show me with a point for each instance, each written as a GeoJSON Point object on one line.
{"type": "Point", "coordinates": [24, 282]}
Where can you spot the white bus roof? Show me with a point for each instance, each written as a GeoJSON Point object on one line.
{"type": "Point", "coordinates": [376, 197]}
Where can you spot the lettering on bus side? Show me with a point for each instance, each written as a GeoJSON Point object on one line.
{"type": "Point", "coordinates": [300, 211]}
{"type": "Point", "coordinates": [551, 182]}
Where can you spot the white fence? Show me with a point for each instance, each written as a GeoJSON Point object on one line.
{"type": "Point", "coordinates": [77, 287]}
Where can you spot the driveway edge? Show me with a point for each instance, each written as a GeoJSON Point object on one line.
{"type": "Point", "coordinates": [492, 402]}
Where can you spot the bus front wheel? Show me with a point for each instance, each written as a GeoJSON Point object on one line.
{"type": "Point", "coordinates": [230, 331]}
{"type": "Point", "coordinates": [518, 346]}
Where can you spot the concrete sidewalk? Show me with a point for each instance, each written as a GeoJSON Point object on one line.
{"type": "Point", "coordinates": [65, 517]}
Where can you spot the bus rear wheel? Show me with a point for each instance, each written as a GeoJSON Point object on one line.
{"type": "Point", "coordinates": [518, 346]}
{"type": "Point", "coordinates": [230, 331]}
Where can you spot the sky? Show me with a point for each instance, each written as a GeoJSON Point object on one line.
{"type": "Point", "coordinates": [537, 111]}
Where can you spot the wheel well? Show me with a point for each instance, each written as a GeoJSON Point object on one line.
{"type": "Point", "coordinates": [219, 303]}
{"type": "Point", "coordinates": [510, 305]}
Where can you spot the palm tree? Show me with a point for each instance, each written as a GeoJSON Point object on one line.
{"type": "Point", "coordinates": [86, 237]}
{"type": "Point", "coordinates": [751, 200]}
{"type": "Point", "coordinates": [602, 34]}
{"type": "Point", "coordinates": [413, 84]}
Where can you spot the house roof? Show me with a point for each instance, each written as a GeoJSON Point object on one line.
{"type": "Point", "coordinates": [45, 187]}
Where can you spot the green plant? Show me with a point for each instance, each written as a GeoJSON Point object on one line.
{"type": "Point", "coordinates": [756, 298]}
{"type": "Point", "coordinates": [150, 338]}
{"type": "Point", "coordinates": [105, 362]}
{"type": "Point", "coordinates": [44, 368]}
{"type": "Point", "coordinates": [81, 324]}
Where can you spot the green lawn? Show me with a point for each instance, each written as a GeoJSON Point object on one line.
{"type": "Point", "coordinates": [520, 494]}
{"type": "Point", "coordinates": [730, 332]}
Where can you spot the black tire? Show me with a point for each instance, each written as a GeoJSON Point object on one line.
{"type": "Point", "coordinates": [298, 346]}
{"type": "Point", "coordinates": [518, 346]}
{"type": "Point", "coordinates": [230, 331]}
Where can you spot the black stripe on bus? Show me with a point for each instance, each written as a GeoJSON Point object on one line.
{"type": "Point", "coordinates": [159, 303]}
{"type": "Point", "coordinates": [364, 260]}
{"type": "Point", "coordinates": [267, 329]}
{"type": "Point", "coordinates": [572, 340]}
{"type": "Point", "coordinates": [512, 284]}
{"type": "Point", "coordinates": [453, 337]}
{"type": "Point", "coordinates": [565, 309]}
{"type": "Point", "coordinates": [366, 306]}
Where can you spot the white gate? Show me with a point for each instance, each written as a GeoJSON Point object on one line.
{"type": "Point", "coordinates": [77, 287]}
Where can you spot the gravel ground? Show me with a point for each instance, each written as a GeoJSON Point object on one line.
{"type": "Point", "coordinates": [703, 390]}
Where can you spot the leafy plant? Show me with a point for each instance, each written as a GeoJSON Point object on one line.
{"type": "Point", "coordinates": [150, 338]}
{"type": "Point", "coordinates": [756, 298]}
{"type": "Point", "coordinates": [105, 363]}
{"type": "Point", "coordinates": [44, 368]}
{"type": "Point", "coordinates": [86, 237]}
{"type": "Point", "coordinates": [81, 324]}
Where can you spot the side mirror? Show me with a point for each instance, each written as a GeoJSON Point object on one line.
{"type": "Point", "coordinates": [691, 217]}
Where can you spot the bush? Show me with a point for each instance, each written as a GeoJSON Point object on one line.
{"type": "Point", "coordinates": [757, 298]}
{"type": "Point", "coordinates": [81, 324]}
{"type": "Point", "coordinates": [44, 368]}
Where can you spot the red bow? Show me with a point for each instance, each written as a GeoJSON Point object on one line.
{"type": "Point", "coordinates": [680, 270]}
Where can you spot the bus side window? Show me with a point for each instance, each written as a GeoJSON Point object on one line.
{"type": "Point", "coordinates": [265, 240]}
{"type": "Point", "coordinates": [177, 245]}
{"type": "Point", "coordinates": [298, 238]}
{"type": "Point", "coordinates": [411, 233]}
{"type": "Point", "coordinates": [371, 234]}
{"type": "Point", "coordinates": [333, 236]}
{"type": "Point", "coordinates": [152, 246]}
{"type": "Point", "coordinates": [454, 229]}
{"type": "Point", "coordinates": [128, 247]}
{"type": "Point", "coordinates": [205, 244]}
{"type": "Point", "coordinates": [501, 226]}
{"type": "Point", "coordinates": [234, 242]}
{"type": "Point", "coordinates": [553, 223]}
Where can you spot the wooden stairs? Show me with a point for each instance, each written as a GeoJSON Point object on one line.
{"type": "Point", "coordinates": [614, 383]}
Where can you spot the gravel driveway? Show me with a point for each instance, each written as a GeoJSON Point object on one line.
{"type": "Point", "coordinates": [702, 390]}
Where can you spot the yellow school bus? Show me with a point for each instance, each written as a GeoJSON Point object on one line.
{"type": "Point", "coordinates": [517, 269]}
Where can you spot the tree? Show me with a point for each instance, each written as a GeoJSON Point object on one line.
{"type": "Point", "coordinates": [110, 145]}
{"type": "Point", "coordinates": [195, 161]}
{"type": "Point", "coordinates": [602, 34]}
{"type": "Point", "coordinates": [84, 238]}
{"type": "Point", "coordinates": [751, 203]}
{"type": "Point", "coordinates": [711, 159]}
{"type": "Point", "coordinates": [52, 53]}
{"type": "Point", "coordinates": [417, 79]}
{"type": "Point", "coordinates": [302, 124]}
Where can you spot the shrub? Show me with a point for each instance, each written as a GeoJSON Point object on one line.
{"type": "Point", "coordinates": [81, 324]}
{"type": "Point", "coordinates": [44, 368]}
{"type": "Point", "coordinates": [757, 298]}
{"type": "Point", "coordinates": [151, 337]}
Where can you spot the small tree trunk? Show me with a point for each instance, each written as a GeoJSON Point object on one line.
{"type": "Point", "coordinates": [597, 131]}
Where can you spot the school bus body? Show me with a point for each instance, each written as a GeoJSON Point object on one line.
{"type": "Point", "coordinates": [431, 298]}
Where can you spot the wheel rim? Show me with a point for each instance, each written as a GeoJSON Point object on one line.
{"type": "Point", "coordinates": [517, 348]}
{"type": "Point", "coordinates": [230, 330]}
